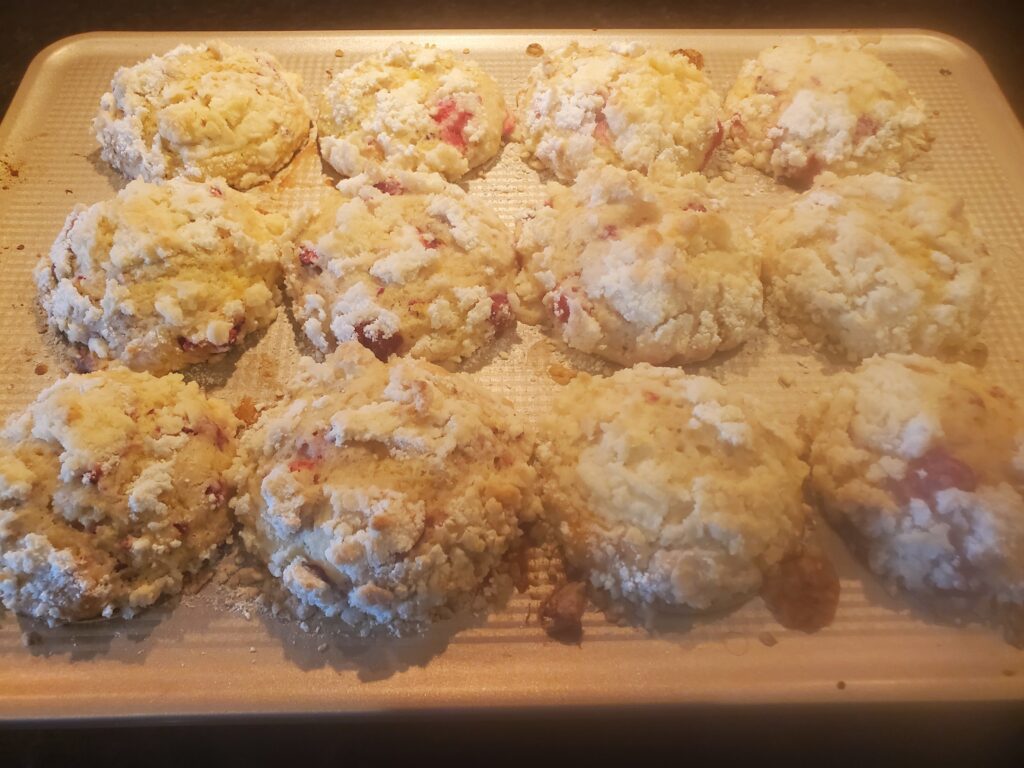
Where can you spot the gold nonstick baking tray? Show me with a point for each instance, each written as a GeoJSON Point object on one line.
{"type": "Point", "coordinates": [218, 652]}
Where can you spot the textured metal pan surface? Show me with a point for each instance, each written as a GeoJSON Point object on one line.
{"type": "Point", "coordinates": [207, 655]}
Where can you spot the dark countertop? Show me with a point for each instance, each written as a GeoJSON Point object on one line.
{"type": "Point", "coordinates": [990, 26]}
{"type": "Point", "coordinates": [983, 734]}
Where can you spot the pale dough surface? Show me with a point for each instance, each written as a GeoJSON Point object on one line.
{"type": "Point", "coordinates": [404, 263]}
{"type": "Point", "coordinates": [636, 270]}
{"type": "Point", "coordinates": [213, 110]}
{"type": "Point", "coordinates": [864, 265]}
{"type": "Point", "coordinates": [623, 104]}
{"type": "Point", "coordinates": [412, 108]}
{"type": "Point", "coordinates": [806, 106]}
{"type": "Point", "coordinates": [921, 464]}
{"type": "Point", "coordinates": [163, 275]}
{"type": "Point", "coordinates": [388, 496]}
{"type": "Point", "coordinates": [112, 491]}
{"type": "Point", "coordinates": [668, 491]}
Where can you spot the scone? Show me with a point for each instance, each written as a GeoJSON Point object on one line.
{"type": "Point", "coordinates": [206, 111]}
{"type": "Point", "coordinates": [638, 271]}
{"type": "Point", "coordinates": [163, 275]}
{"type": "Point", "coordinates": [623, 105]}
{"type": "Point", "coordinates": [805, 106]}
{"type": "Point", "coordinates": [667, 491]}
{"type": "Point", "coordinates": [921, 465]}
{"type": "Point", "coordinates": [404, 263]}
{"type": "Point", "coordinates": [112, 491]}
{"type": "Point", "coordinates": [865, 265]}
{"type": "Point", "coordinates": [387, 496]}
{"type": "Point", "coordinates": [412, 108]}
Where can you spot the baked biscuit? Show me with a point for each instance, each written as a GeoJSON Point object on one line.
{"type": "Point", "coordinates": [404, 263]}
{"type": "Point", "coordinates": [864, 265]}
{"type": "Point", "coordinates": [163, 275]}
{"type": "Point", "coordinates": [387, 496]}
{"type": "Point", "coordinates": [805, 106]}
{"type": "Point", "coordinates": [668, 491]}
{"type": "Point", "coordinates": [623, 105]}
{"type": "Point", "coordinates": [112, 491]}
{"type": "Point", "coordinates": [412, 108]}
{"type": "Point", "coordinates": [921, 465]}
{"type": "Point", "coordinates": [638, 271]}
{"type": "Point", "coordinates": [213, 110]}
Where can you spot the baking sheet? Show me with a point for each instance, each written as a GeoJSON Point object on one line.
{"type": "Point", "coordinates": [217, 652]}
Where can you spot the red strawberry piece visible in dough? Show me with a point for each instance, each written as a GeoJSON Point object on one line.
{"type": "Point", "coordinates": [602, 132]}
{"type": "Point", "coordinates": [866, 127]}
{"type": "Point", "coordinates": [453, 122]}
{"type": "Point", "coordinates": [801, 179]}
{"type": "Point", "coordinates": [381, 346]}
{"type": "Point", "coordinates": [937, 470]}
{"type": "Point", "coordinates": [427, 240]}
{"type": "Point", "coordinates": [560, 308]}
{"type": "Point", "coordinates": [308, 257]}
{"type": "Point", "coordinates": [509, 124]}
{"type": "Point", "coordinates": [501, 310]}
{"type": "Point", "coordinates": [716, 140]}
{"type": "Point", "coordinates": [390, 187]}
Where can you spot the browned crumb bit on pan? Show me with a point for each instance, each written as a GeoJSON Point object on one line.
{"type": "Point", "coordinates": [465, 51]}
{"type": "Point", "coordinates": [696, 57]}
{"type": "Point", "coordinates": [802, 591]}
{"type": "Point", "coordinates": [245, 411]}
{"type": "Point", "coordinates": [768, 639]}
{"type": "Point", "coordinates": [561, 613]}
{"type": "Point", "coordinates": [6, 166]}
{"type": "Point", "coordinates": [41, 368]}
{"type": "Point", "coordinates": [21, 247]}
{"type": "Point", "coordinates": [534, 49]}
{"type": "Point", "coordinates": [841, 685]}
{"type": "Point", "coordinates": [338, 52]}
{"type": "Point", "coordinates": [560, 373]}
{"type": "Point", "coordinates": [945, 72]}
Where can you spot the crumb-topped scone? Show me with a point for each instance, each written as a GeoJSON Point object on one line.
{"type": "Point", "coordinates": [668, 491]}
{"type": "Point", "coordinates": [805, 106]}
{"type": "Point", "coordinates": [404, 263]}
{"type": "Point", "coordinates": [112, 491]}
{"type": "Point", "coordinates": [634, 270]}
{"type": "Point", "coordinates": [623, 105]}
{"type": "Point", "coordinates": [163, 275]}
{"type": "Point", "coordinates": [387, 496]}
{"type": "Point", "coordinates": [864, 265]}
{"type": "Point", "coordinates": [413, 108]}
{"type": "Point", "coordinates": [213, 110]}
{"type": "Point", "coordinates": [920, 464]}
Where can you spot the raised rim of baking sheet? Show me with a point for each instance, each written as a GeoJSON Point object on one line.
{"type": "Point", "coordinates": [205, 666]}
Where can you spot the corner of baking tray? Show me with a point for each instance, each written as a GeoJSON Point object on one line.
{"type": "Point", "coordinates": [63, 47]}
{"type": "Point", "coordinates": [46, 58]}
{"type": "Point", "coordinates": [944, 40]}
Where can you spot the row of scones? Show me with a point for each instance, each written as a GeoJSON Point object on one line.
{"type": "Point", "coordinates": [392, 495]}
{"type": "Point", "coordinates": [390, 492]}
